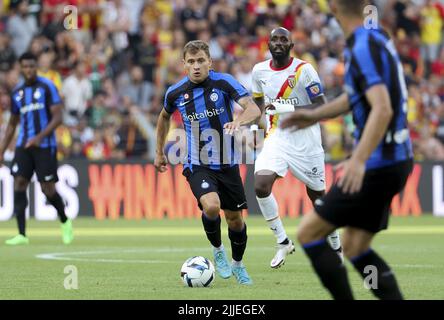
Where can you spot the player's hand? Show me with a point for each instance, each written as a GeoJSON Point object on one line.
{"type": "Point", "coordinates": [160, 162]}
{"type": "Point", "coordinates": [299, 119]}
{"type": "Point", "coordinates": [231, 127]}
{"type": "Point", "coordinates": [34, 142]}
{"type": "Point", "coordinates": [269, 107]}
{"type": "Point", "coordinates": [351, 173]}
{"type": "Point", "coordinates": [2, 159]}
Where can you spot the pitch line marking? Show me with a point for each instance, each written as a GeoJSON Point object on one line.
{"type": "Point", "coordinates": [67, 256]}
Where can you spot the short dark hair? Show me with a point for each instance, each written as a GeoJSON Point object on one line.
{"type": "Point", "coordinates": [354, 7]}
{"type": "Point", "coordinates": [27, 56]}
{"type": "Point", "coordinates": [195, 46]}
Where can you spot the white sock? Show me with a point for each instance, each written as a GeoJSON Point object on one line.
{"type": "Point", "coordinates": [334, 240]}
{"type": "Point", "coordinates": [236, 263]}
{"type": "Point", "coordinates": [269, 209]}
{"type": "Point", "coordinates": [221, 248]}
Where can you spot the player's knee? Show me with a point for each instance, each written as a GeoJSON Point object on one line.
{"type": "Point", "coordinates": [212, 209]}
{"type": "Point", "coordinates": [48, 189]}
{"type": "Point", "coordinates": [234, 222]}
{"type": "Point", "coordinates": [302, 235]}
{"type": "Point", "coordinates": [20, 184]}
{"type": "Point", "coordinates": [262, 189]}
{"type": "Point", "coordinates": [352, 250]}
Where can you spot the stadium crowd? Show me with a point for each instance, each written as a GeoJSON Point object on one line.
{"type": "Point", "coordinates": [112, 61]}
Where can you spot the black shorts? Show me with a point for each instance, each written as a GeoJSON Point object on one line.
{"type": "Point", "coordinates": [369, 208]}
{"type": "Point", "coordinates": [41, 160]}
{"type": "Point", "coordinates": [226, 182]}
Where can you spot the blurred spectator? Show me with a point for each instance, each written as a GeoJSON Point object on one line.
{"type": "Point", "coordinates": [21, 26]}
{"type": "Point", "coordinates": [431, 32]}
{"type": "Point", "coordinates": [138, 91]}
{"type": "Point", "coordinates": [97, 148]}
{"type": "Point", "coordinates": [115, 68]}
{"type": "Point", "coordinates": [193, 18]}
{"type": "Point", "coordinates": [77, 90]}
{"type": "Point", "coordinates": [45, 64]}
{"type": "Point", "coordinates": [7, 55]}
{"type": "Point", "coordinates": [97, 112]}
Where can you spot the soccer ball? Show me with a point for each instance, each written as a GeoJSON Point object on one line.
{"type": "Point", "coordinates": [197, 272]}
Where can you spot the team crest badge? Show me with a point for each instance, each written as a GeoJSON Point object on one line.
{"type": "Point", "coordinates": [315, 89]}
{"type": "Point", "coordinates": [37, 94]}
{"type": "Point", "coordinates": [20, 96]}
{"type": "Point", "coordinates": [186, 96]}
{"type": "Point", "coordinates": [214, 97]}
{"type": "Point", "coordinates": [205, 185]}
{"type": "Point", "coordinates": [291, 81]}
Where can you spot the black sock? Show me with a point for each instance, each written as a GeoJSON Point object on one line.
{"type": "Point", "coordinates": [286, 241]}
{"type": "Point", "coordinates": [386, 287]}
{"type": "Point", "coordinates": [57, 202]}
{"type": "Point", "coordinates": [238, 242]}
{"type": "Point", "coordinates": [212, 229]}
{"type": "Point", "coordinates": [20, 204]}
{"type": "Point", "coordinates": [329, 268]}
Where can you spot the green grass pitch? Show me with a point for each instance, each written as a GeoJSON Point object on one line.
{"type": "Point", "coordinates": [142, 259]}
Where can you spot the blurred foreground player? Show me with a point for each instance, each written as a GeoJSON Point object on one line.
{"type": "Point", "coordinates": [204, 99]}
{"type": "Point", "coordinates": [378, 167]}
{"type": "Point", "coordinates": [36, 105]}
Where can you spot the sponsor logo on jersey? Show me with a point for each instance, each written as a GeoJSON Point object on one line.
{"type": "Point", "coordinates": [32, 107]}
{"type": "Point", "coordinates": [195, 116]}
{"type": "Point", "coordinates": [293, 101]}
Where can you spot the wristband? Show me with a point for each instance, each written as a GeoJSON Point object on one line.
{"type": "Point", "coordinates": [280, 108]}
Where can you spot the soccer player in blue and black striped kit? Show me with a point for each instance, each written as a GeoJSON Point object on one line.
{"type": "Point", "coordinates": [378, 167]}
{"type": "Point", "coordinates": [37, 106]}
{"type": "Point", "coordinates": [204, 99]}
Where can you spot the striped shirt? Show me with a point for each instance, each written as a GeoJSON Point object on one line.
{"type": "Point", "coordinates": [371, 59]}
{"type": "Point", "coordinates": [33, 104]}
{"type": "Point", "coordinates": [205, 108]}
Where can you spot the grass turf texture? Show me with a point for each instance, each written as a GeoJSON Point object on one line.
{"type": "Point", "coordinates": [142, 259]}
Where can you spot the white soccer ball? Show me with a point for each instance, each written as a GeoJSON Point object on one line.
{"type": "Point", "coordinates": [197, 272]}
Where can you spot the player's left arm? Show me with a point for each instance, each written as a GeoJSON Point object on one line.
{"type": "Point", "coordinates": [238, 93]}
{"type": "Point", "coordinates": [378, 120]}
{"type": "Point", "coordinates": [251, 113]}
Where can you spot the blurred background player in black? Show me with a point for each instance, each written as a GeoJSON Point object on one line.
{"type": "Point", "coordinates": [37, 106]}
{"type": "Point", "coordinates": [379, 166]}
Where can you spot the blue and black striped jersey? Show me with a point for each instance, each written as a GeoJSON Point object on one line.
{"type": "Point", "coordinates": [32, 103]}
{"type": "Point", "coordinates": [371, 59]}
{"type": "Point", "coordinates": [205, 108]}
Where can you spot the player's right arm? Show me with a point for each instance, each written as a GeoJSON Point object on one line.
{"type": "Point", "coordinates": [163, 126]}
{"type": "Point", "coordinates": [10, 130]}
{"type": "Point", "coordinates": [303, 118]}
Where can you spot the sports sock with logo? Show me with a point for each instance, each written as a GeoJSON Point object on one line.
{"type": "Point", "coordinates": [238, 242]}
{"type": "Point", "coordinates": [212, 229]}
{"type": "Point", "coordinates": [269, 209]}
{"type": "Point", "coordinates": [385, 287]}
{"type": "Point", "coordinates": [329, 268]}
